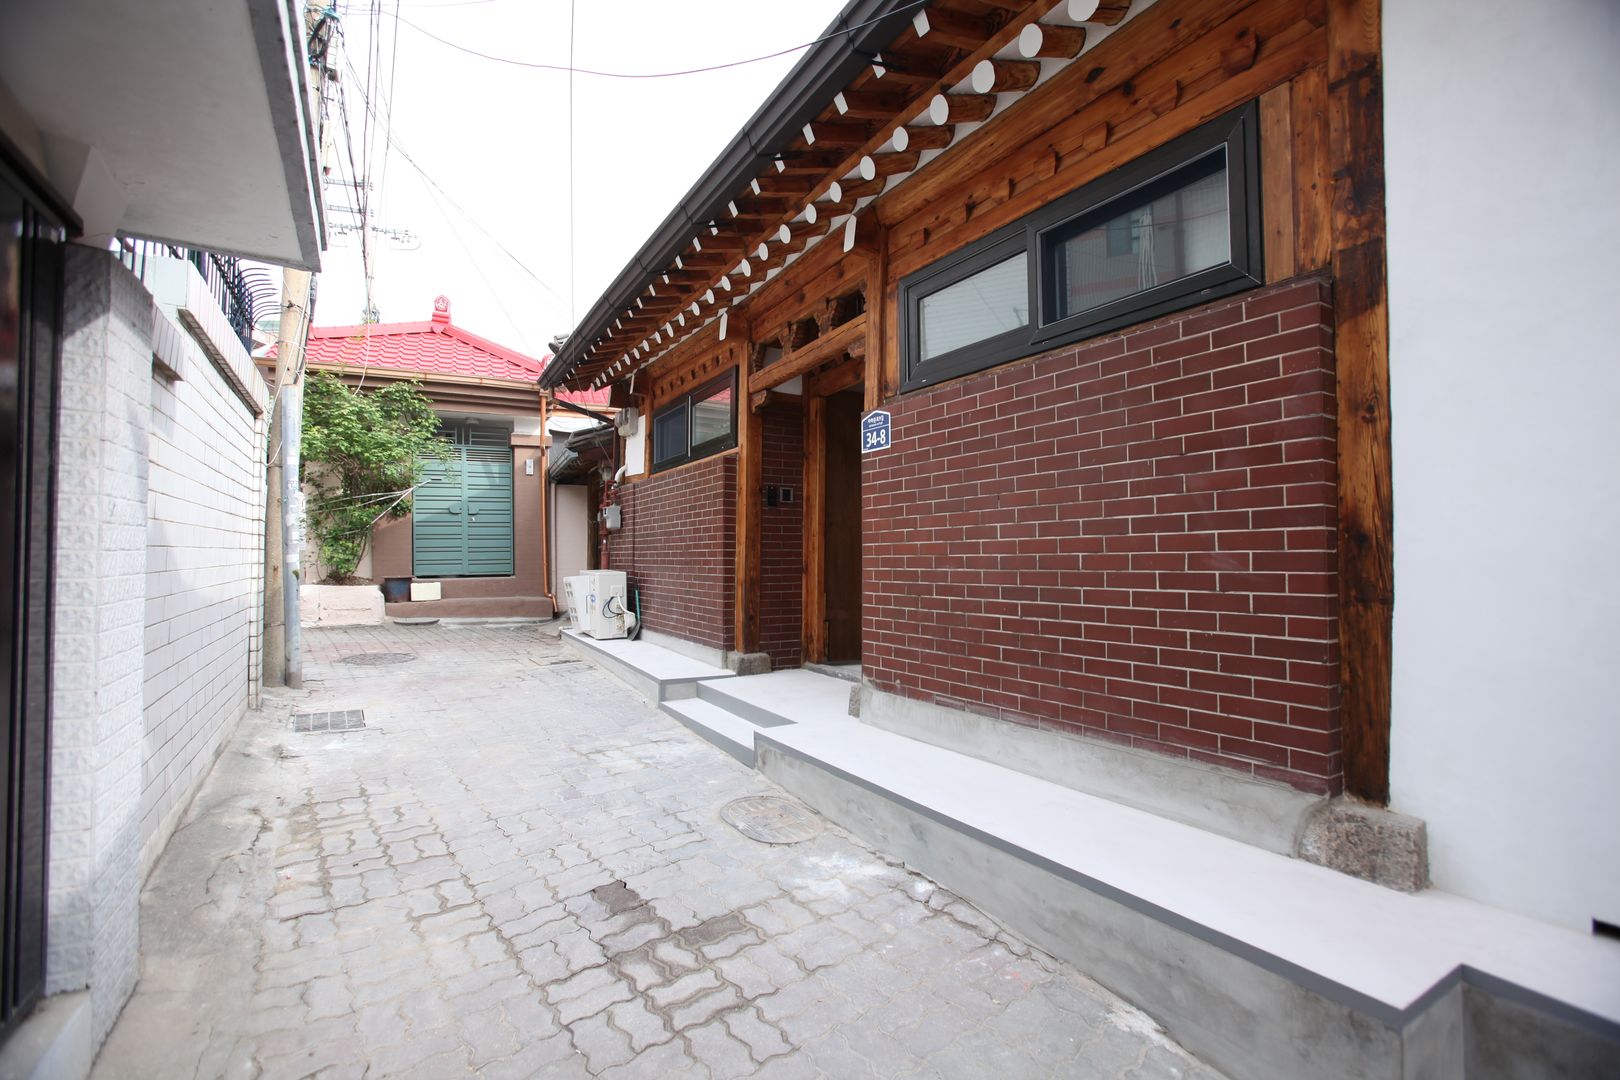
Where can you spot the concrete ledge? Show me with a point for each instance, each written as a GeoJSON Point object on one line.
{"type": "Point", "coordinates": [1237, 1001]}
{"type": "Point", "coordinates": [472, 607]}
{"type": "Point", "coordinates": [340, 605]}
{"type": "Point", "coordinates": [654, 672]}
{"type": "Point", "coordinates": [52, 1043]}
{"type": "Point", "coordinates": [690, 649]}
{"type": "Point", "coordinates": [1269, 816]}
{"type": "Point", "coordinates": [714, 724]}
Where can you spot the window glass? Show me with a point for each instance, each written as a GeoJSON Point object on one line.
{"type": "Point", "coordinates": [1177, 228]}
{"type": "Point", "coordinates": [669, 434]}
{"type": "Point", "coordinates": [711, 417]}
{"type": "Point", "coordinates": [991, 302]}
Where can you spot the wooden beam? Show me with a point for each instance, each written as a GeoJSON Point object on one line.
{"type": "Point", "coordinates": [750, 482]}
{"type": "Point", "coordinates": [836, 133]}
{"type": "Point", "coordinates": [847, 338]}
{"type": "Point", "coordinates": [1107, 12]}
{"type": "Point", "coordinates": [877, 283]}
{"type": "Point", "coordinates": [869, 104]}
{"type": "Point", "coordinates": [1053, 42]}
{"type": "Point", "coordinates": [815, 503]}
{"type": "Point", "coordinates": [923, 137]}
{"type": "Point", "coordinates": [1361, 342]}
{"type": "Point", "coordinates": [961, 108]}
{"type": "Point", "coordinates": [994, 76]}
{"type": "Point", "coordinates": [873, 166]}
{"type": "Point", "coordinates": [952, 28]}
{"type": "Point", "coordinates": [1277, 181]}
{"type": "Point", "coordinates": [911, 67]}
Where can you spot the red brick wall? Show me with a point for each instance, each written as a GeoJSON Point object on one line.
{"type": "Point", "coordinates": [678, 546]}
{"type": "Point", "coordinates": [781, 556]}
{"type": "Point", "coordinates": [1132, 539]}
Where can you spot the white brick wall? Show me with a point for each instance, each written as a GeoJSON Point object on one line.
{"type": "Point", "coordinates": [93, 935]}
{"type": "Point", "coordinates": [204, 567]}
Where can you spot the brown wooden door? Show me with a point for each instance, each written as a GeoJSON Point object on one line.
{"type": "Point", "coordinates": [842, 527]}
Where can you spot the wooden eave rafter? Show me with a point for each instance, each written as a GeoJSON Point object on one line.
{"type": "Point", "coordinates": [764, 233]}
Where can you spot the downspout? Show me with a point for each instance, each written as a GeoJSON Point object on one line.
{"type": "Point", "coordinates": [545, 509]}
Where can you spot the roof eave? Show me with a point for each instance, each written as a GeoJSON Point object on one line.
{"type": "Point", "coordinates": [822, 72]}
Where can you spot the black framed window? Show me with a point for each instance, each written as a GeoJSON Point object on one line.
{"type": "Point", "coordinates": [1175, 228]}
{"type": "Point", "coordinates": [696, 424]}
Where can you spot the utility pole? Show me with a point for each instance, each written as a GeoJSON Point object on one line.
{"type": "Point", "coordinates": [295, 311]}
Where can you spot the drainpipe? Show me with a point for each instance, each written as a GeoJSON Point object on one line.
{"type": "Point", "coordinates": [545, 509]}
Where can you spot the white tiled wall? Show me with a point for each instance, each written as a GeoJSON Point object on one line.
{"type": "Point", "coordinates": [93, 934]}
{"type": "Point", "coordinates": [204, 560]}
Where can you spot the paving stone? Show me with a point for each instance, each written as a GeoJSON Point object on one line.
{"type": "Point", "coordinates": [764, 1041]}
{"type": "Point", "coordinates": [713, 1046]}
{"type": "Point", "coordinates": [644, 1027]}
{"type": "Point", "coordinates": [520, 845]}
{"type": "Point", "coordinates": [602, 1044]}
{"type": "Point", "coordinates": [703, 1007]}
{"type": "Point", "coordinates": [586, 994]}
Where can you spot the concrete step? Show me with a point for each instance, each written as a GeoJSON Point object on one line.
{"type": "Point", "coordinates": [473, 607]}
{"type": "Point", "coordinates": [1263, 965]}
{"type": "Point", "coordinates": [724, 729]}
{"type": "Point", "coordinates": [781, 697]}
{"type": "Point", "coordinates": [655, 672]}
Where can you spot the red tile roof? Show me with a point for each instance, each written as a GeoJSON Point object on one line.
{"type": "Point", "coordinates": [436, 347]}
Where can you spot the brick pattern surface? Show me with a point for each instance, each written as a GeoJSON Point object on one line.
{"type": "Point", "coordinates": [781, 535]}
{"type": "Point", "coordinates": [1132, 539]}
{"type": "Point", "coordinates": [96, 729]}
{"type": "Point", "coordinates": [517, 870]}
{"type": "Point", "coordinates": [204, 564]}
{"type": "Point", "coordinates": [678, 545]}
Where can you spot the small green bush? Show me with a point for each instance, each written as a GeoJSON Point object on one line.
{"type": "Point", "coordinates": [362, 456]}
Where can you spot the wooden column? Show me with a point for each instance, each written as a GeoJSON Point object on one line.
{"type": "Point", "coordinates": [750, 492]}
{"type": "Point", "coordinates": [815, 511]}
{"type": "Point", "coordinates": [1361, 333]}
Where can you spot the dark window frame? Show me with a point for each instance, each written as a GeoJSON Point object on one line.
{"type": "Point", "coordinates": [708, 448]}
{"type": "Point", "coordinates": [1038, 233]}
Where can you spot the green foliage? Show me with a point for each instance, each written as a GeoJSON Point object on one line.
{"type": "Point", "coordinates": [361, 456]}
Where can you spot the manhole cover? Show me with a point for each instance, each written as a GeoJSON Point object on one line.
{"type": "Point", "coordinates": [377, 659]}
{"type": "Point", "coordinates": [770, 820]}
{"type": "Point", "coordinates": [341, 720]}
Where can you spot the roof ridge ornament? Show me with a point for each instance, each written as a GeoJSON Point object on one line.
{"type": "Point", "coordinates": [441, 310]}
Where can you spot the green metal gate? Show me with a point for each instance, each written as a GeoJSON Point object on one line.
{"type": "Point", "coordinates": [461, 520]}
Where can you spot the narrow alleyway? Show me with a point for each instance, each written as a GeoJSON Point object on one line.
{"type": "Point", "coordinates": [517, 868]}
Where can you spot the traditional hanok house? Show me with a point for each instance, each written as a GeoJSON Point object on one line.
{"type": "Point", "coordinates": [480, 532]}
{"type": "Point", "coordinates": [1036, 357]}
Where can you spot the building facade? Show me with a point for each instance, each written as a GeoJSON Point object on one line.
{"type": "Point", "coordinates": [133, 459]}
{"type": "Point", "coordinates": [1043, 360]}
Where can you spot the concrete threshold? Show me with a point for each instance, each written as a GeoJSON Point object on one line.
{"type": "Point", "coordinates": [1264, 965]}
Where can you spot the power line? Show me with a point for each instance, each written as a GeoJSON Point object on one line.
{"type": "Point", "coordinates": [572, 265]}
{"type": "Point", "coordinates": [434, 184]}
{"type": "Point", "coordinates": [571, 69]}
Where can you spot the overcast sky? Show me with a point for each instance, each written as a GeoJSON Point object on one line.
{"type": "Point", "coordinates": [494, 138]}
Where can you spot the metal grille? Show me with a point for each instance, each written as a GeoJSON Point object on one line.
{"type": "Point", "coordinates": [377, 659]}
{"type": "Point", "coordinates": [317, 722]}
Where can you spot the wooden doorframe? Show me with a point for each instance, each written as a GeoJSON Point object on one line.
{"type": "Point", "coordinates": [848, 372]}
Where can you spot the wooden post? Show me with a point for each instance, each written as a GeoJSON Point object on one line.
{"type": "Point", "coordinates": [750, 481]}
{"type": "Point", "coordinates": [1361, 334]}
{"type": "Point", "coordinates": [815, 509]}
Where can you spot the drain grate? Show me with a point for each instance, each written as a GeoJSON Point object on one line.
{"type": "Point", "coordinates": [770, 820]}
{"type": "Point", "coordinates": [377, 659]}
{"type": "Point", "coordinates": [340, 720]}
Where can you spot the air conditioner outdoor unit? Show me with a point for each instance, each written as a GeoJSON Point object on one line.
{"type": "Point", "coordinates": [603, 613]}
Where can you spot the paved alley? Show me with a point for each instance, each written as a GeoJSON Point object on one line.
{"type": "Point", "coordinates": [518, 868]}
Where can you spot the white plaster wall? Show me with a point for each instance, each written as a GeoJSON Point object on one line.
{"type": "Point", "coordinates": [204, 558]}
{"type": "Point", "coordinates": [571, 536]}
{"type": "Point", "coordinates": [1503, 155]}
{"type": "Point", "coordinates": [93, 931]}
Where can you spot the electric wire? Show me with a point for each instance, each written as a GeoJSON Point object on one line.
{"type": "Point", "coordinates": [571, 69]}
{"type": "Point", "coordinates": [560, 300]}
